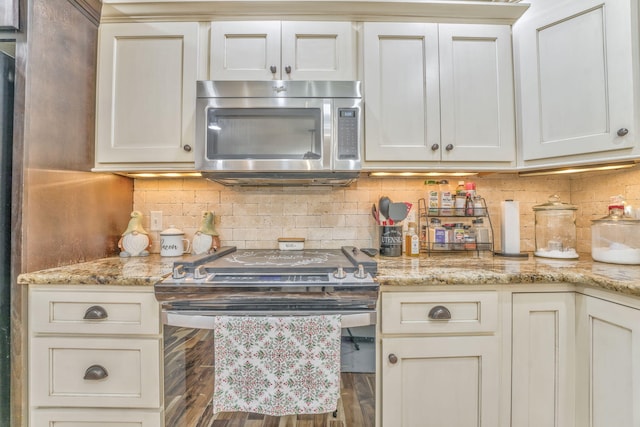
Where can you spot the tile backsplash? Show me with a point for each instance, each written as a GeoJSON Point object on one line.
{"type": "Point", "coordinates": [254, 217]}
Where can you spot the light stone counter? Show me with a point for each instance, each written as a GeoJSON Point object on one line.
{"type": "Point", "coordinates": [438, 269]}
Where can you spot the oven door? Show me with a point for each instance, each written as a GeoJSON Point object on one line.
{"type": "Point", "coordinates": [189, 372]}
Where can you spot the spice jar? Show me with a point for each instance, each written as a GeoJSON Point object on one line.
{"type": "Point", "coordinates": [555, 229]}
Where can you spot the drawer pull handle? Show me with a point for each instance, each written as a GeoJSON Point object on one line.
{"type": "Point", "coordinates": [393, 359]}
{"type": "Point", "coordinates": [95, 372]}
{"type": "Point", "coordinates": [95, 312]}
{"type": "Point", "coordinates": [440, 312]}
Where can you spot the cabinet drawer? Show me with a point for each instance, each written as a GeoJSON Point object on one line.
{"type": "Point", "coordinates": [94, 418]}
{"type": "Point", "coordinates": [59, 365]}
{"type": "Point", "coordinates": [460, 312]}
{"type": "Point", "coordinates": [62, 311]}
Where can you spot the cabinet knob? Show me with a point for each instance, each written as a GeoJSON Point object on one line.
{"type": "Point", "coordinates": [393, 359]}
{"type": "Point", "coordinates": [95, 372]}
{"type": "Point", "coordinates": [273, 69]}
{"type": "Point", "coordinates": [187, 148]}
{"type": "Point", "coordinates": [449, 147]}
{"type": "Point", "coordinates": [95, 312]}
{"type": "Point", "coordinates": [287, 69]}
{"type": "Point", "coordinates": [439, 312]}
{"type": "Point", "coordinates": [623, 131]}
{"type": "Point", "coordinates": [435, 147]}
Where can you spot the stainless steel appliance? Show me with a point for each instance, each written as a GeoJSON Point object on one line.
{"type": "Point", "coordinates": [254, 283]}
{"type": "Point", "coordinates": [279, 132]}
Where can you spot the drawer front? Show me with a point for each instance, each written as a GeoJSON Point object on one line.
{"type": "Point", "coordinates": [439, 312]}
{"type": "Point", "coordinates": [71, 371]}
{"type": "Point", "coordinates": [64, 311]}
{"type": "Point", "coordinates": [94, 418]}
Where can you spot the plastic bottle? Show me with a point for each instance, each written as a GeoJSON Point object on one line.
{"type": "Point", "coordinates": [468, 205]}
{"type": "Point", "coordinates": [458, 236]}
{"type": "Point", "coordinates": [461, 198]}
{"type": "Point", "coordinates": [469, 237]}
{"type": "Point", "coordinates": [412, 241]}
{"type": "Point", "coordinates": [437, 235]}
{"type": "Point", "coordinates": [482, 233]}
{"type": "Point", "coordinates": [446, 198]}
{"type": "Point", "coordinates": [478, 207]}
{"type": "Point", "coordinates": [433, 197]}
{"type": "Point", "coordinates": [415, 245]}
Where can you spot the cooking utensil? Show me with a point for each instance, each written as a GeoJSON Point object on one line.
{"type": "Point", "coordinates": [398, 211]}
{"type": "Point", "coordinates": [383, 206]}
{"type": "Point", "coordinates": [374, 212]}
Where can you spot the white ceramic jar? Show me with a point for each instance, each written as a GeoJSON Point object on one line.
{"type": "Point", "coordinates": [173, 242]}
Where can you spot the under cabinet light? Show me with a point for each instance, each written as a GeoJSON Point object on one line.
{"type": "Point", "coordinates": [578, 169]}
{"type": "Point", "coordinates": [420, 174]}
{"type": "Point", "coordinates": [164, 175]}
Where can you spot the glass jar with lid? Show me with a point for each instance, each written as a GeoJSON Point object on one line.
{"type": "Point", "coordinates": [555, 229]}
{"type": "Point", "coordinates": [616, 239]}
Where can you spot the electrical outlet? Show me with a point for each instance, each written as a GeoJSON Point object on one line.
{"type": "Point", "coordinates": [156, 221]}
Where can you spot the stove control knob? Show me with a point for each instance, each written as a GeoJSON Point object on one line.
{"type": "Point", "coordinates": [179, 272]}
{"type": "Point", "coordinates": [360, 274]}
{"type": "Point", "coordinates": [200, 272]}
{"type": "Point", "coordinates": [339, 273]}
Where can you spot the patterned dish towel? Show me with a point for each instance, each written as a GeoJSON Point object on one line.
{"type": "Point", "coordinates": [277, 365]}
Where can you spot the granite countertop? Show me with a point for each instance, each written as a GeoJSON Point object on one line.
{"type": "Point", "coordinates": [392, 271]}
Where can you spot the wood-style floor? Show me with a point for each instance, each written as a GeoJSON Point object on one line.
{"type": "Point", "coordinates": [189, 386]}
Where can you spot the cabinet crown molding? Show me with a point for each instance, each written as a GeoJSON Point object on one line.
{"type": "Point", "coordinates": [477, 11]}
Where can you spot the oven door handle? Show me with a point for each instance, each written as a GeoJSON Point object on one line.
{"type": "Point", "coordinates": [348, 319]}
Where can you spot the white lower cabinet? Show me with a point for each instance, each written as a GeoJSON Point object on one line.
{"type": "Point", "coordinates": [440, 381]}
{"type": "Point", "coordinates": [94, 418]}
{"type": "Point", "coordinates": [608, 387]}
{"type": "Point", "coordinates": [440, 359]}
{"type": "Point", "coordinates": [94, 357]}
{"type": "Point", "coordinates": [543, 350]}
{"type": "Point", "coordinates": [525, 356]}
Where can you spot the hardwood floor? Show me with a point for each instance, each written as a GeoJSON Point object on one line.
{"type": "Point", "coordinates": [189, 387]}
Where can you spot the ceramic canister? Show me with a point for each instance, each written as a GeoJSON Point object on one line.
{"type": "Point", "coordinates": [173, 242]}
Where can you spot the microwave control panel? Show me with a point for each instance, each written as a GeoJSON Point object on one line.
{"type": "Point", "coordinates": [347, 133]}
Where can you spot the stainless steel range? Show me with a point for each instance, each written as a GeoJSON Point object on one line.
{"type": "Point", "coordinates": [261, 283]}
{"type": "Point", "coordinates": [264, 281]}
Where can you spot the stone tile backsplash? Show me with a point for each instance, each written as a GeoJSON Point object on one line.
{"type": "Point", "coordinates": [330, 217]}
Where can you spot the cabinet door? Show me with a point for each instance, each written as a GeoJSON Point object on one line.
{"type": "Point", "coordinates": [402, 108]}
{"type": "Point", "coordinates": [476, 93]}
{"type": "Point", "coordinates": [440, 381]}
{"type": "Point", "coordinates": [94, 418]}
{"type": "Point", "coordinates": [245, 50]}
{"type": "Point", "coordinates": [146, 92]}
{"type": "Point", "coordinates": [319, 50]}
{"type": "Point", "coordinates": [608, 387]}
{"type": "Point", "coordinates": [575, 66]}
{"type": "Point", "coordinates": [543, 349]}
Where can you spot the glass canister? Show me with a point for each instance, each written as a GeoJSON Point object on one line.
{"type": "Point", "coordinates": [555, 229]}
{"type": "Point", "coordinates": [616, 239]}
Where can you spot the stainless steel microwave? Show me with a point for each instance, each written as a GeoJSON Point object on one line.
{"type": "Point", "coordinates": [279, 132]}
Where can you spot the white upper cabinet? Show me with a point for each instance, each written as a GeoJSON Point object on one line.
{"type": "Point", "coordinates": [438, 93]}
{"type": "Point", "coordinates": [574, 65]}
{"type": "Point", "coordinates": [402, 91]}
{"type": "Point", "coordinates": [476, 93]}
{"type": "Point", "coordinates": [289, 50]}
{"type": "Point", "coordinates": [146, 94]}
